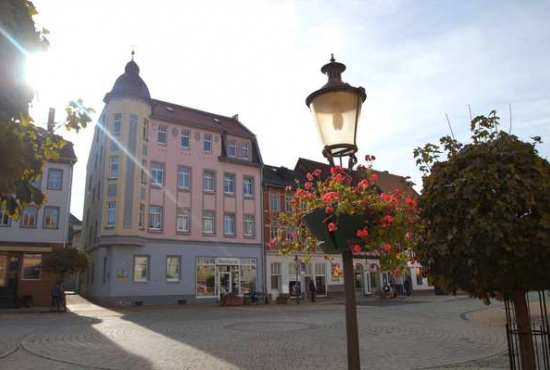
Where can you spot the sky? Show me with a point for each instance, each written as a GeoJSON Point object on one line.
{"type": "Point", "coordinates": [417, 60]}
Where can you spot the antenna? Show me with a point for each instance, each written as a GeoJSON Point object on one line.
{"type": "Point", "coordinates": [133, 47]}
{"type": "Point", "coordinates": [470, 110]}
{"type": "Point", "coordinates": [510, 107]}
{"type": "Point", "coordinates": [450, 128]}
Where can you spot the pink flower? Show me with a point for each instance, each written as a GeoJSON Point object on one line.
{"type": "Point", "coordinates": [307, 185]}
{"type": "Point", "coordinates": [363, 184]}
{"type": "Point", "coordinates": [362, 233]}
{"type": "Point", "coordinates": [317, 172]}
{"type": "Point", "coordinates": [309, 177]}
{"type": "Point", "coordinates": [292, 235]}
{"type": "Point", "coordinates": [330, 197]}
{"type": "Point", "coordinates": [387, 247]}
{"type": "Point", "coordinates": [328, 211]}
{"type": "Point", "coordinates": [271, 244]}
{"type": "Point", "coordinates": [332, 227]}
{"type": "Point", "coordinates": [409, 235]}
{"type": "Point", "coordinates": [356, 248]}
{"type": "Point", "coordinates": [336, 169]}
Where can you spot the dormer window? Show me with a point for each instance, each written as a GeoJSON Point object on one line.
{"type": "Point", "coordinates": [232, 148]}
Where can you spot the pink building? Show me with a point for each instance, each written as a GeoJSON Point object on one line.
{"type": "Point", "coordinates": [172, 210]}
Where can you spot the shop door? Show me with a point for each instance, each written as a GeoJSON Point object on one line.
{"type": "Point", "coordinates": [359, 279]}
{"type": "Point", "coordinates": [9, 276]}
{"type": "Point", "coordinates": [306, 286]}
{"type": "Point", "coordinates": [224, 282]}
{"type": "Point", "coordinates": [367, 284]}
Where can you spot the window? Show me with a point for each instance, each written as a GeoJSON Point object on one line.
{"type": "Point", "coordinates": [101, 155]}
{"type": "Point", "coordinates": [182, 220]}
{"type": "Point", "coordinates": [232, 148]}
{"type": "Point", "coordinates": [229, 224]}
{"type": "Point", "coordinates": [274, 229]}
{"type": "Point", "coordinates": [207, 143]}
{"type": "Point", "coordinates": [141, 215]}
{"type": "Point", "coordinates": [162, 134]}
{"type": "Point", "coordinates": [55, 177]}
{"type": "Point", "coordinates": [32, 267]}
{"type": "Point", "coordinates": [155, 218]}
{"type": "Point", "coordinates": [5, 221]}
{"type": "Point", "coordinates": [3, 269]}
{"type": "Point", "coordinates": [248, 187]}
{"type": "Point", "coordinates": [51, 218]}
{"type": "Point", "coordinates": [248, 275]}
{"type": "Point", "coordinates": [184, 177]}
{"type": "Point", "coordinates": [141, 268]}
{"type": "Point", "coordinates": [28, 219]}
{"type": "Point", "coordinates": [288, 205]}
{"type": "Point", "coordinates": [275, 276]}
{"type": "Point", "coordinates": [157, 174]}
{"type": "Point", "coordinates": [111, 213]}
{"type": "Point", "coordinates": [95, 162]}
{"type": "Point", "coordinates": [245, 151]}
{"type": "Point", "coordinates": [144, 172]}
{"type": "Point", "coordinates": [274, 202]}
{"type": "Point", "coordinates": [229, 184]}
{"type": "Point", "coordinates": [185, 141]}
{"type": "Point", "coordinates": [292, 269]}
{"type": "Point", "coordinates": [320, 278]}
{"type": "Point", "coordinates": [249, 226]}
{"type": "Point", "coordinates": [208, 223]}
{"type": "Point", "coordinates": [206, 277]}
{"type": "Point", "coordinates": [208, 182]}
{"type": "Point", "coordinates": [36, 182]}
{"type": "Point", "coordinates": [117, 123]}
{"type": "Point", "coordinates": [146, 130]}
{"type": "Point", "coordinates": [113, 174]}
{"type": "Point", "coordinates": [173, 268]}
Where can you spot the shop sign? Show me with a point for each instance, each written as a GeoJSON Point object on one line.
{"type": "Point", "coordinates": [228, 261]}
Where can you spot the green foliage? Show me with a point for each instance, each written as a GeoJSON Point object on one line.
{"type": "Point", "coordinates": [65, 261]}
{"type": "Point", "coordinates": [486, 213]}
{"type": "Point", "coordinates": [24, 147]}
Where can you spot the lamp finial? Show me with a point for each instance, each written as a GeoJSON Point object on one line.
{"type": "Point", "coordinates": [332, 57]}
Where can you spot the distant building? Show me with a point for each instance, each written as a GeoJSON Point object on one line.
{"type": "Point", "coordinates": [282, 271]}
{"type": "Point", "coordinates": [23, 243]}
{"type": "Point", "coordinates": [172, 211]}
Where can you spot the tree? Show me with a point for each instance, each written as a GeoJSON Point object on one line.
{"type": "Point", "coordinates": [65, 261]}
{"type": "Point", "coordinates": [486, 214]}
{"type": "Point", "coordinates": [24, 147]}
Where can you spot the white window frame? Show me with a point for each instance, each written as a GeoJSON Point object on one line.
{"type": "Point", "coordinates": [232, 148]}
{"type": "Point", "coordinates": [147, 269]}
{"type": "Point", "coordinates": [229, 183]}
{"type": "Point", "coordinates": [207, 139]}
{"type": "Point", "coordinates": [22, 222]}
{"type": "Point", "coordinates": [111, 213]}
{"type": "Point", "coordinates": [178, 277]}
{"type": "Point", "coordinates": [113, 167]}
{"type": "Point", "coordinates": [162, 131]}
{"type": "Point", "coordinates": [209, 215]}
{"type": "Point", "coordinates": [187, 135]}
{"type": "Point", "coordinates": [47, 216]}
{"type": "Point", "coordinates": [117, 123]}
{"type": "Point", "coordinates": [249, 179]}
{"type": "Point", "coordinates": [56, 186]}
{"type": "Point", "coordinates": [229, 227]}
{"type": "Point", "coordinates": [183, 173]}
{"type": "Point", "coordinates": [141, 215]}
{"type": "Point", "coordinates": [158, 213]}
{"type": "Point", "coordinates": [245, 151]}
{"type": "Point", "coordinates": [205, 182]}
{"type": "Point", "coordinates": [248, 226]}
{"type": "Point", "coordinates": [275, 272]}
{"type": "Point", "coordinates": [183, 220]}
{"type": "Point", "coordinates": [156, 168]}
{"type": "Point", "coordinates": [274, 206]}
{"type": "Point", "coordinates": [288, 206]}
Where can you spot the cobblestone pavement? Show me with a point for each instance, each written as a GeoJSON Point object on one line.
{"type": "Point", "coordinates": [438, 333]}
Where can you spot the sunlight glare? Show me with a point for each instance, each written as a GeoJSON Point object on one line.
{"type": "Point", "coordinates": [39, 72]}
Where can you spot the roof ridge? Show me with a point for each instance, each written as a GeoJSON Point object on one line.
{"type": "Point", "coordinates": [193, 109]}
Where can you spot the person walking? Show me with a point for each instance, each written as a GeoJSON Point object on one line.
{"type": "Point", "coordinates": [312, 290]}
{"type": "Point", "coordinates": [56, 296]}
{"type": "Point", "coordinates": [408, 285]}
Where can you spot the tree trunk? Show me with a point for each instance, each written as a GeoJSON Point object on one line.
{"type": "Point", "coordinates": [523, 319]}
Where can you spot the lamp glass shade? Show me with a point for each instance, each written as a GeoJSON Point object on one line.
{"type": "Point", "coordinates": [336, 115]}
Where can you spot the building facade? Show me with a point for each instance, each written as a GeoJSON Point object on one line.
{"type": "Point", "coordinates": [283, 271]}
{"type": "Point", "coordinates": [24, 242]}
{"type": "Point", "coordinates": [172, 209]}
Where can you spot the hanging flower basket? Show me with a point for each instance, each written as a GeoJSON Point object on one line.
{"type": "Point", "coordinates": [336, 241]}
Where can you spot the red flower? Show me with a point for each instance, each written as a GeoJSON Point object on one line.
{"type": "Point", "coordinates": [363, 184]}
{"type": "Point", "coordinates": [330, 197]}
{"type": "Point", "coordinates": [410, 201]}
{"type": "Point", "coordinates": [332, 227]}
{"type": "Point", "coordinates": [309, 176]}
{"type": "Point", "coordinates": [299, 193]}
{"type": "Point", "coordinates": [328, 211]}
{"type": "Point", "coordinates": [387, 220]}
{"type": "Point", "coordinates": [271, 244]}
{"type": "Point", "coordinates": [338, 177]}
{"type": "Point", "coordinates": [317, 172]}
{"type": "Point", "coordinates": [386, 197]}
{"type": "Point", "coordinates": [356, 248]}
{"type": "Point", "coordinates": [373, 177]}
{"type": "Point", "coordinates": [336, 169]}
{"type": "Point", "coordinates": [362, 233]}
{"type": "Point", "coordinates": [307, 185]}
{"type": "Point", "coordinates": [387, 247]}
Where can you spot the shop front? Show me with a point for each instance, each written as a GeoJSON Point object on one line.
{"type": "Point", "coordinates": [217, 277]}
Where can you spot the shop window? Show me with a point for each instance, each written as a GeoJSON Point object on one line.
{"type": "Point", "coordinates": [248, 275]}
{"type": "Point", "coordinates": [32, 267]}
{"type": "Point", "coordinates": [206, 277]}
{"type": "Point", "coordinates": [276, 283]}
{"type": "Point", "coordinates": [141, 268]}
{"type": "Point", "coordinates": [173, 264]}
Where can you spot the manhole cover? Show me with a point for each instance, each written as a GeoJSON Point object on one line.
{"type": "Point", "coordinates": [269, 326]}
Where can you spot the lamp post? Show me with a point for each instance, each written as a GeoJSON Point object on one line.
{"type": "Point", "coordinates": [336, 108]}
{"type": "Point", "coordinates": [297, 261]}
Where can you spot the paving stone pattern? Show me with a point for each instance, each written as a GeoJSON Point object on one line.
{"type": "Point", "coordinates": [431, 335]}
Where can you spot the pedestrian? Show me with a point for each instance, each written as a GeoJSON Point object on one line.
{"type": "Point", "coordinates": [312, 290]}
{"type": "Point", "coordinates": [408, 285]}
{"type": "Point", "coordinates": [56, 296]}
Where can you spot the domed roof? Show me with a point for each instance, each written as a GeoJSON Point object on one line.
{"type": "Point", "coordinates": [129, 83]}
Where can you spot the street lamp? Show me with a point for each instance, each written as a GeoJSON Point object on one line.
{"type": "Point", "coordinates": [298, 291]}
{"type": "Point", "coordinates": [336, 108]}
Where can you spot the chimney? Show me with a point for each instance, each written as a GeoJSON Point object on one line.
{"type": "Point", "coordinates": [51, 120]}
